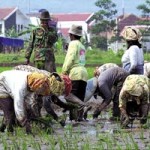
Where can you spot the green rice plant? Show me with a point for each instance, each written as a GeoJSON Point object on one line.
{"type": "Point", "coordinates": [61, 143]}
{"type": "Point", "coordinates": [86, 146]}
{"type": "Point", "coordinates": [5, 68]}
{"type": "Point", "coordinates": [4, 143]}
{"type": "Point", "coordinates": [24, 145]}
{"type": "Point", "coordinates": [135, 145]}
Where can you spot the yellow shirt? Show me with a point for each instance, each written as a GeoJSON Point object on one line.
{"type": "Point", "coordinates": [75, 61]}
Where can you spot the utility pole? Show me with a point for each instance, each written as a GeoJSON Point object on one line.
{"type": "Point", "coordinates": [29, 5]}
{"type": "Point", "coordinates": [123, 10]}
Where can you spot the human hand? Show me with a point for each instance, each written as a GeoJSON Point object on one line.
{"type": "Point", "coordinates": [96, 72]}
{"type": "Point", "coordinates": [124, 119]}
{"type": "Point", "coordinates": [96, 114]}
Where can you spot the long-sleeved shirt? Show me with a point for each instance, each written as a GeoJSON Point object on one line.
{"type": "Point", "coordinates": [14, 83]}
{"type": "Point", "coordinates": [133, 56]}
{"type": "Point", "coordinates": [147, 69]}
{"type": "Point", "coordinates": [75, 61]}
{"type": "Point", "coordinates": [137, 86]}
{"type": "Point", "coordinates": [109, 78]}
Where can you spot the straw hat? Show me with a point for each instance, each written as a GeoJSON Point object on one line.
{"type": "Point", "coordinates": [131, 34]}
{"type": "Point", "coordinates": [76, 30]}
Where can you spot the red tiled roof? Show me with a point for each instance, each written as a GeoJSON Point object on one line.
{"type": "Point", "coordinates": [4, 12]}
{"type": "Point", "coordinates": [127, 20]}
{"type": "Point", "coordinates": [72, 17]}
{"type": "Point", "coordinates": [66, 16]}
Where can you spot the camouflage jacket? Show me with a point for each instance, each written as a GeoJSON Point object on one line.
{"type": "Point", "coordinates": [41, 42]}
{"type": "Point", "coordinates": [135, 87]}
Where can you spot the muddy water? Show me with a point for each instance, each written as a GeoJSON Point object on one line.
{"type": "Point", "coordinates": [95, 134]}
{"type": "Point", "coordinates": [104, 134]}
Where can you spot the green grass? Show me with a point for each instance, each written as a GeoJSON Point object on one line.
{"type": "Point", "coordinates": [93, 58]}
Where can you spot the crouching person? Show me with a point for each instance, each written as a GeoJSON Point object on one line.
{"type": "Point", "coordinates": [134, 99]}
{"type": "Point", "coordinates": [20, 84]}
{"type": "Point", "coordinates": [72, 101]}
{"type": "Point", "coordinates": [111, 78]}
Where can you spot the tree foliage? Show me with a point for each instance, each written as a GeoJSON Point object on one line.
{"type": "Point", "coordinates": [104, 21]}
{"type": "Point", "coordinates": [145, 8]}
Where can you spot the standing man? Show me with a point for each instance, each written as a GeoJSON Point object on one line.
{"type": "Point", "coordinates": [41, 42]}
{"type": "Point", "coordinates": [74, 67]}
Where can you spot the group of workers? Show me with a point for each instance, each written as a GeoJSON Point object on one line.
{"type": "Point", "coordinates": [24, 90]}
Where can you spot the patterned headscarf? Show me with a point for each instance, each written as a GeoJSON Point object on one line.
{"type": "Point", "coordinates": [68, 84]}
{"type": "Point", "coordinates": [136, 85]}
{"type": "Point", "coordinates": [56, 87]}
{"type": "Point", "coordinates": [131, 33]}
{"type": "Point", "coordinates": [37, 81]}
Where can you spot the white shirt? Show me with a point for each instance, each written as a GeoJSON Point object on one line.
{"type": "Point", "coordinates": [134, 56]}
{"type": "Point", "coordinates": [15, 82]}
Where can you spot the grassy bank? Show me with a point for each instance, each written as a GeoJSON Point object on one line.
{"type": "Point", "coordinates": [93, 58]}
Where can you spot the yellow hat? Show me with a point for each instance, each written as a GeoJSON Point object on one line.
{"type": "Point", "coordinates": [37, 81]}
{"type": "Point", "coordinates": [131, 33]}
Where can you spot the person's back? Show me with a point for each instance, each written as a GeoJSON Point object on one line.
{"type": "Point", "coordinates": [133, 58]}
{"type": "Point", "coordinates": [112, 76]}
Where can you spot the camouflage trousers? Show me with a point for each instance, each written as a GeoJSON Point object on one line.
{"type": "Point", "coordinates": [45, 65]}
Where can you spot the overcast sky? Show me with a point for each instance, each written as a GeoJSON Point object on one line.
{"type": "Point", "coordinates": [72, 6]}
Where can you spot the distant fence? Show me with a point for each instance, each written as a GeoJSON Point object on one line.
{"type": "Point", "coordinates": [10, 45]}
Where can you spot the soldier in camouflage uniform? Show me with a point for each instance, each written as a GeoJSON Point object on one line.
{"type": "Point", "coordinates": [41, 42]}
{"type": "Point", "coordinates": [134, 99]}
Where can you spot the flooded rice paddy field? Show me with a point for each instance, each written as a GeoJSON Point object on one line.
{"type": "Point", "coordinates": [86, 135]}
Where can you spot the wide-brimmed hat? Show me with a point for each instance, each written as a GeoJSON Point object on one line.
{"type": "Point", "coordinates": [44, 15]}
{"type": "Point", "coordinates": [76, 30]}
{"type": "Point", "coordinates": [131, 34]}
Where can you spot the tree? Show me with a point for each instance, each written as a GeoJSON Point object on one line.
{"type": "Point", "coordinates": [11, 32]}
{"type": "Point", "coordinates": [104, 22]}
{"type": "Point", "coordinates": [145, 8]}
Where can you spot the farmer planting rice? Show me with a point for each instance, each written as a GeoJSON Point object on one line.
{"type": "Point", "coordinates": [112, 77]}
{"type": "Point", "coordinates": [91, 88]}
{"type": "Point", "coordinates": [20, 85]}
{"type": "Point", "coordinates": [134, 99]}
{"type": "Point", "coordinates": [71, 100]}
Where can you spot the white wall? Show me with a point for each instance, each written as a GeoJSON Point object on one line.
{"type": "Point", "coordinates": [68, 24]}
{"type": "Point", "coordinates": [3, 29]}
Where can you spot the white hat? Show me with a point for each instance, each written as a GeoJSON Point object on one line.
{"type": "Point", "coordinates": [76, 30]}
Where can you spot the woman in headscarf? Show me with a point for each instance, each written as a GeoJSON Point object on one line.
{"type": "Point", "coordinates": [134, 99]}
{"type": "Point", "coordinates": [133, 58]}
{"type": "Point", "coordinates": [21, 85]}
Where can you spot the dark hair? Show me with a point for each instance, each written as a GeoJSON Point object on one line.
{"type": "Point", "coordinates": [76, 36]}
{"type": "Point", "coordinates": [134, 42]}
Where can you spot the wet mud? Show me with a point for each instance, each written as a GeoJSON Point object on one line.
{"type": "Point", "coordinates": [97, 134]}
